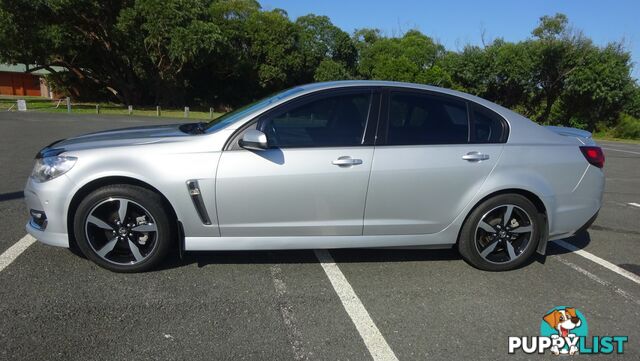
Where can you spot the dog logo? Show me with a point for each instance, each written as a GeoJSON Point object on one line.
{"type": "Point", "coordinates": [564, 321]}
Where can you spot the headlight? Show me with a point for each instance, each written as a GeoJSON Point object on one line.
{"type": "Point", "coordinates": [48, 168]}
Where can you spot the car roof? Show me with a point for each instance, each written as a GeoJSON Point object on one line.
{"type": "Point", "coordinates": [395, 84]}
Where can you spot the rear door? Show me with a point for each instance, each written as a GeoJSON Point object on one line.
{"type": "Point", "coordinates": [313, 179]}
{"type": "Point", "coordinates": [433, 153]}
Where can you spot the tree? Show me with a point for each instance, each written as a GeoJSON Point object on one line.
{"type": "Point", "coordinates": [228, 76]}
{"type": "Point", "coordinates": [124, 46]}
{"type": "Point", "coordinates": [363, 38]}
{"type": "Point", "coordinates": [596, 92]}
{"type": "Point", "coordinates": [558, 53]}
{"type": "Point", "coordinates": [551, 27]}
{"type": "Point", "coordinates": [331, 70]}
{"type": "Point", "coordinates": [512, 69]}
{"type": "Point", "coordinates": [470, 70]}
{"type": "Point", "coordinates": [177, 34]}
{"type": "Point", "coordinates": [322, 41]}
{"type": "Point", "coordinates": [274, 49]}
{"type": "Point", "coordinates": [408, 58]}
{"type": "Point", "coordinates": [632, 107]}
{"type": "Point", "coordinates": [228, 52]}
{"type": "Point", "coordinates": [71, 35]}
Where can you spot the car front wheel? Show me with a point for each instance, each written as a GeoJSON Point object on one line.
{"type": "Point", "coordinates": [123, 228]}
{"type": "Point", "coordinates": [501, 234]}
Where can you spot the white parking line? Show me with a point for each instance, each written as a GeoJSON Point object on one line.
{"type": "Point", "coordinates": [634, 204]}
{"type": "Point", "coordinates": [599, 280]}
{"type": "Point", "coordinates": [373, 339]}
{"type": "Point", "coordinates": [620, 150]}
{"type": "Point", "coordinates": [602, 262]}
{"type": "Point", "coordinates": [14, 251]}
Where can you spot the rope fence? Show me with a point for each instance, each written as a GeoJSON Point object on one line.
{"type": "Point", "coordinates": [65, 105]}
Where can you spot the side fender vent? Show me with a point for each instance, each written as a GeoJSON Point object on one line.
{"type": "Point", "coordinates": [198, 203]}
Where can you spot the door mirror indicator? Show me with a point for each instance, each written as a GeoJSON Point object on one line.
{"type": "Point", "coordinates": [254, 139]}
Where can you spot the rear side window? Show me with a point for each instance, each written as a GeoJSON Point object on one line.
{"type": "Point", "coordinates": [338, 120]}
{"type": "Point", "coordinates": [488, 127]}
{"type": "Point", "coordinates": [416, 118]}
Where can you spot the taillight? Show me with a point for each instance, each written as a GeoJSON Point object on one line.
{"type": "Point", "coordinates": [594, 155]}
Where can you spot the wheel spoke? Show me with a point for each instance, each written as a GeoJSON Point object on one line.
{"type": "Point", "coordinates": [135, 251]}
{"type": "Point", "coordinates": [507, 215]}
{"type": "Point", "coordinates": [98, 222]}
{"type": "Point", "coordinates": [511, 251]}
{"type": "Point", "coordinates": [524, 229]}
{"type": "Point", "coordinates": [108, 247]}
{"type": "Point", "coordinates": [490, 248]}
{"type": "Point", "coordinates": [149, 227]}
{"type": "Point", "coordinates": [486, 226]}
{"type": "Point", "coordinates": [122, 210]}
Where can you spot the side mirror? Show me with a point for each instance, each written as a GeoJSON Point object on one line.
{"type": "Point", "coordinates": [254, 139]}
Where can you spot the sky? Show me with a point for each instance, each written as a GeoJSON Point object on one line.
{"type": "Point", "coordinates": [456, 23]}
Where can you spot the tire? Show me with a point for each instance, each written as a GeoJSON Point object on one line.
{"type": "Point", "coordinates": [496, 245]}
{"type": "Point", "coordinates": [136, 245]}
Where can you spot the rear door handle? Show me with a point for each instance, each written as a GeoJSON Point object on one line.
{"type": "Point", "coordinates": [475, 156]}
{"type": "Point", "coordinates": [346, 161]}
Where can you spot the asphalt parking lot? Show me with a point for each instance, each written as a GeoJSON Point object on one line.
{"type": "Point", "coordinates": [282, 305]}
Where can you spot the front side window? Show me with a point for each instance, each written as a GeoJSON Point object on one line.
{"type": "Point", "coordinates": [331, 121]}
{"type": "Point", "coordinates": [241, 112]}
{"type": "Point", "coordinates": [426, 119]}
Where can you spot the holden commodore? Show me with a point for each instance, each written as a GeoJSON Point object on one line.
{"type": "Point", "coordinates": [328, 165]}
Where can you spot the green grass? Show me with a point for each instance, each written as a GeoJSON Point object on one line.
{"type": "Point", "coordinates": [614, 139]}
{"type": "Point", "coordinates": [38, 104]}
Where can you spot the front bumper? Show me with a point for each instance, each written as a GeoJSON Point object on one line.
{"type": "Point", "coordinates": [50, 238]}
{"type": "Point", "coordinates": [49, 198]}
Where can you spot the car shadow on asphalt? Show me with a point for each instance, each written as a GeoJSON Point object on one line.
{"type": "Point", "coordinates": [580, 240]}
{"type": "Point", "coordinates": [11, 196]}
{"type": "Point", "coordinates": [358, 255]}
{"type": "Point", "coordinates": [355, 255]}
{"type": "Point", "coordinates": [345, 255]}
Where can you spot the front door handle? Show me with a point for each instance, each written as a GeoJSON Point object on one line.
{"type": "Point", "coordinates": [475, 156]}
{"type": "Point", "coordinates": [346, 161]}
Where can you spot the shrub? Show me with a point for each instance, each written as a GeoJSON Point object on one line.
{"type": "Point", "coordinates": [628, 127]}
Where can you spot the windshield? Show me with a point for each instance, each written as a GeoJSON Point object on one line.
{"type": "Point", "coordinates": [241, 112]}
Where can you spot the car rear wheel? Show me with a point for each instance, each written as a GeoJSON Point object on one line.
{"type": "Point", "coordinates": [501, 234]}
{"type": "Point", "coordinates": [123, 228]}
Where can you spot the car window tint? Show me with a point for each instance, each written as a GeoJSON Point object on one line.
{"type": "Point", "coordinates": [426, 119]}
{"type": "Point", "coordinates": [331, 121]}
{"type": "Point", "coordinates": [488, 126]}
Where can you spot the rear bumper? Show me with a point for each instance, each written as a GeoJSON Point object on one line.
{"type": "Point", "coordinates": [542, 246]}
{"type": "Point", "coordinates": [588, 224]}
{"type": "Point", "coordinates": [577, 210]}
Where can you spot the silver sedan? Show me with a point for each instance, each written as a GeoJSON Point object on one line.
{"type": "Point", "coordinates": [327, 165]}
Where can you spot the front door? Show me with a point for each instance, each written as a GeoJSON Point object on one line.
{"type": "Point", "coordinates": [312, 181]}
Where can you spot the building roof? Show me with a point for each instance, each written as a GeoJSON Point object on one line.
{"type": "Point", "coordinates": [22, 68]}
